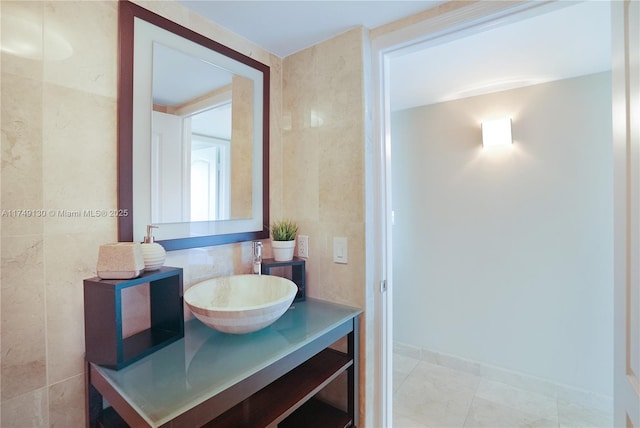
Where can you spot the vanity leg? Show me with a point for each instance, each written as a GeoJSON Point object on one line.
{"type": "Point", "coordinates": [353, 374]}
{"type": "Point", "coordinates": [94, 402]}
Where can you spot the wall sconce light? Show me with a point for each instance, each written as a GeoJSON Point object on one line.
{"type": "Point", "coordinates": [496, 132]}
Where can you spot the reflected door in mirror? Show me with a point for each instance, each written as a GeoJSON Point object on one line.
{"type": "Point", "coordinates": [202, 148]}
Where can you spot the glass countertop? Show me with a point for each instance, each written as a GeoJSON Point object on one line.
{"type": "Point", "coordinates": [206, 362]}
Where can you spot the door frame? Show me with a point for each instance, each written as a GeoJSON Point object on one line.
{"type": "Point", "coordinates": [441, 24]}
{"type": "Point", "coordinates": [626, 150]}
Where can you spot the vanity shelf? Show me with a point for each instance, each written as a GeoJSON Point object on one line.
{"type": "Point", "coordinates": [292, 390]}
{"type": "Point", "coordinates": [105, 343]}
{"type": "Point", "coordinates": [317, 414]}
{"type": "Point", "coordinates": [268, 378]}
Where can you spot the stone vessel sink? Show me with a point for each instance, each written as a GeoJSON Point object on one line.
{"type": "Point", "coordinates": [240, 304]}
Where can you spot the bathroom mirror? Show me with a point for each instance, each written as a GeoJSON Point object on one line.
{"type": "Point", "coordinates": [193, 136]}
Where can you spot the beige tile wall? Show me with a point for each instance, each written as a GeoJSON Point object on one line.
{"type": "Point", "coordinates": [323, 165]}
{"type": "Point", "coordinates": [59, 153]}
{"type": "Point", "coordinates": [323, 160]}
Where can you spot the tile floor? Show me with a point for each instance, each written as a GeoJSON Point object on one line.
{"type": "Point", "coordinates": [434, 396]}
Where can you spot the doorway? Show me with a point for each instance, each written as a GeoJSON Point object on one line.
{"type": "Point", "coordinates": [394, 49]}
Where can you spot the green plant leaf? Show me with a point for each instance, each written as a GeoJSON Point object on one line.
{"type": "Point", "coordinates": [284, 230]}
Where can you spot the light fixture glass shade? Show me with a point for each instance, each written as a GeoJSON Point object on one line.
{"type": "Point", "coordinates": [496, 132]}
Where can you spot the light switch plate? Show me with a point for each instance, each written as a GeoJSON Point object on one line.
{"type": "Point", "coordinates": [340, 250]}
{"type": "Point", "coordinates": [303, 246]}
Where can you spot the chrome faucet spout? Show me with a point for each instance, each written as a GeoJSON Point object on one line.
{"type": "Point", "coordinates": [257, 257]}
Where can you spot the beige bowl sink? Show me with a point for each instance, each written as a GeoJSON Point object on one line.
{"type": "Point", "coordinates": [240, 304]}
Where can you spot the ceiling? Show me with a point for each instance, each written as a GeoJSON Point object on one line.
{"type": "Point", "coordinates": [571, 41]}
{"type": "Point", "coordinates": [285, 27]}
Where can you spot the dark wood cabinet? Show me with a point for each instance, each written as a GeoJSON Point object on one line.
{"type": "Point", "coordinates": [270, 378]}
{"type": "Point", "coordinates": [103, 317]}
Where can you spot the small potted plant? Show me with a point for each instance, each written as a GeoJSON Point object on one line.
{"type": "Point", "coordinates": [283, 239]}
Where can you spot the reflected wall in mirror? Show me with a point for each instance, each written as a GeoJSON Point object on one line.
{"type": "Point", "coordinates": [193, 136]}
{"type": "Point", "coordinates": [202, 140]}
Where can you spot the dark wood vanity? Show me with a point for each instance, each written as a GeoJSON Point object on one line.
{"type": "Point", "coordinates": [194, 376]}
{"type": "Point", "coordinates": [269, 378]}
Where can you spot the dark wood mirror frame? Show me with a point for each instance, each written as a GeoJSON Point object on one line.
{"type": "Point", "coordinates": [126, 14]}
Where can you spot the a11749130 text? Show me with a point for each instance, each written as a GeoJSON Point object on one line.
{"type": "Point", "coordinates": [65, 213]}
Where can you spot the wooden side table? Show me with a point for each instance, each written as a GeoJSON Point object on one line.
{"type": "Point", "coordinates": [298, 273]}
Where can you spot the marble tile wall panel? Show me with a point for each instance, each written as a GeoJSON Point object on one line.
{"type": "Point", "coordinates": [22, 291]}
{"type": "Point", "coordinates": [323, 160]}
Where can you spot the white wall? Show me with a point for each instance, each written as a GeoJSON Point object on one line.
{"type": "Point", "coordinates": [505, 256]}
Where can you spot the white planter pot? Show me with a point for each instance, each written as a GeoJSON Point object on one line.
{"type": "Point", "coordinates": [283, 250]}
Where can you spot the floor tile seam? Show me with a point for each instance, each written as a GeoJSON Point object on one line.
{"type": "Point", "coordinates": [548, 417]}
{"type": "Point", "coordinates": [518, 385]}
{"type": "Point", "coordinates": [473, 399]}
{"type": "Point", "coordinates": [538, 396]}
{"type": "Point", "coordinates": [466, 419]}
{"type": "Point", "coordinates": [554, 418]}
{"type": "Point", "coordinates": [599, 413]}
{"type": "Point", "coordinates": [550, 388]}
{"type": "Point", "coordinates": [537, 418]}
{"type": "Point", "coordinates": [405, 414]}
{"type": "Point", "coordinates": [400, 384]}
{"type": "Point", "coordinates": [555, 411]}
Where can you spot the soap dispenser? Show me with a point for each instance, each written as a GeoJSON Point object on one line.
{"type": "Point", "coordinates": [152, 252]}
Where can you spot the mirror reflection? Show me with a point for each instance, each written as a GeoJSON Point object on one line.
{"type": "Point", "coordinates": [201, 140]}
{"type": "Point", "coordinates": [193, 139]}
